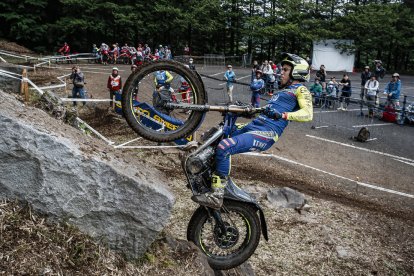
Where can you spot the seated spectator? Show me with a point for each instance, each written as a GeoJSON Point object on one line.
{"type": "Point", "coordinates": [316, 91]}
{"type": "Point", "coordinates": [331, 92]}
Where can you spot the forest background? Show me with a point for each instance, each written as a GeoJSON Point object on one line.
{"type": "Point", "coordinates": [380, 29]}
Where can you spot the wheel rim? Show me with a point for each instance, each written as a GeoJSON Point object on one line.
{"type": "Point", "coordinates": [217, 245]}
{"type": "Point", "coordinates": [146, 101]}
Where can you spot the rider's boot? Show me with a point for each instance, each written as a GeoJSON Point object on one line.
{"type": "Point", "coordinates": [213, 199]}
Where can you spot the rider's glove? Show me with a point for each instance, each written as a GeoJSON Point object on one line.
{"type": "Point", "coordinates": [272, 113]}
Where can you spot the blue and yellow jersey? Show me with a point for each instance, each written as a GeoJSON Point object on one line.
{"type": "Point", "coordinates": [162, 77]}
{"type": "Point", "coordinates": [296, 101]}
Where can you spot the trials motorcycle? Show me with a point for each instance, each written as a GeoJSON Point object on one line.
{"type": "Point", "coordinates": [230, 235]}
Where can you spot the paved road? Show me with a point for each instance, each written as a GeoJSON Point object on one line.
{"type": "Point", "coordinates": [386, 162]}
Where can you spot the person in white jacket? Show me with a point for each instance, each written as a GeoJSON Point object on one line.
{"type": "Point", "coordinates": [371, 90]}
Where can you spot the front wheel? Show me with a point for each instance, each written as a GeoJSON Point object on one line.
{"type": "Point", "coordinates": [226, 250]}
{"type": "Point", "coordinates": [147, 90]}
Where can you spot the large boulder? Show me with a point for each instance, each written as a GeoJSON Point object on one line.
{"type": "Point", "coordinates": [72, 177]}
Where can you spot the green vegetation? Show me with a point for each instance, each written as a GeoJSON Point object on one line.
{"type": "Point", "coordinates": [381, 29]}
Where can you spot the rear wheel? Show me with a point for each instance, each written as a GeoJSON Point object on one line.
{"type": "Point", "coordinates": [143, 102]}
{"type": "Point", "coordinates": [230, 249]}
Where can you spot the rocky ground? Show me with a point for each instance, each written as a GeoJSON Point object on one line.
{"type": "Point", "coordinates": [340, 234]}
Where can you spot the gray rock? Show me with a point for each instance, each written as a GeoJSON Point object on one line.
{"type": "Point", "coordinates": [342, 252]}
{"type": "Point", "coordinates": [286, 198]}
{"type": "Point", "coordinates": [8, 84]}
{"type": "Point", "coordinates": [44, 162]}
{"type": "Point", "coordinates": [245, 269]}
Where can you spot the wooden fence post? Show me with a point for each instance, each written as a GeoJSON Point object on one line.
{"type": "Point", "coordinates": [24, 86]}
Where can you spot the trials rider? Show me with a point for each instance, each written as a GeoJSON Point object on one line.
{"type": "Point", "coordinates": [293, 103]}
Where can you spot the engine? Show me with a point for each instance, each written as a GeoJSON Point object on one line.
{"type": "Point", "coordinates": [200, 162]}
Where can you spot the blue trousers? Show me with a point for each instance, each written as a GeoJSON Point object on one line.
{"type": "Point", "coordinates": [78, 92]}
{"type": "Point", "coordinates": [255, 101]}
{"type": "Point", "coordinates": [242, 140]}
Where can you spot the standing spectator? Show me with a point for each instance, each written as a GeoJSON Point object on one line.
{"type": "Point", "coordinates": [191, 64]}
{"type": "Point", "coordinates": [309, 61]}
{"type": "Point", "coordinates": [65, 49]}
{"type": "Point", "coordinates": [346, 92]}
{"type": "Point", "coordinates": [365, 76]}
{"type": "Point", "coordinates": [186, 50]}
{"type": "Point", "coordinates": [133, 68]}
{"type": "Point", "coordinates": [147, 50]}
{"type": "Point", "coordinates": [168, 54]}
{"type": "Point", "coordinates": [256, 86]}
{"type": "Point", "coordinates": [256, 67]}
{"type": "Point", "coordinates": [379, 70]}
{"type": "Point", "coordinates": [316, 92]}
{"type": "Point", "coordinates": [321, 74]}
{"type": "Point", "coordinates": [78, 80]}
{"type": "Point", "coordinates": [230, 77]}
{"type": "Point", "coordinates": [114, 84]}
{"type": "Point", "coordinates": [393, 90]}
{"type": "Point", "coordinates": [371, 88]}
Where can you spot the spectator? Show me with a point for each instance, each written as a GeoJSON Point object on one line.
{"type": "Point", "coordinates": [309, 61]}
{"type": "Point", "coordinates": [332, 88]}
{"type": "Point", "coordinates": [321, 74]}
{"type": "Point", "coordinates": [272, 65]}
{"type": "Point", "coordinates": [270, 80]}
{"type": "Point", "coordinates": [114, 84]}
{"type": "Point", "coordinates": [78, 80]}
{"type": "Point", "coordinates": [346, 92]}
{"type": "Point", "coordinates": [393, 90]}
{"type": "Point", "coordinates": [133, 68]}
{"type": "Point", "coordinates": [256, 86]}
{"type": "Point", "coordinates": [256, 67]}
{"type": "Point", "coordinates": [365, 76]}
{"type": "Point", "coordinates": [191, 64]}
{"type": "Point", "coordinates": [371, 88]}
{"type": "Point", "coordinates": [186, 50]}
{"type": "Point", "coordinates": [379, 70]}
{"type": "Point", "coordinates": [96, 52]}
{"type": "Point", "coordinates": [332, 92]}
{"type": "Point", "coordinates": [230, 77]}
{"type": "Point", "coordinates": [147, 50]}
{"type": "Point", "coordinates": [316, 92]}
{"type": "Point", "coordinates": [65, 49]}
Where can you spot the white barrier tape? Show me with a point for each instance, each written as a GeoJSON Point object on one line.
{"type": "Point", "coordinates": [359, 148]}
{"type": "Point", "coordinates": [148, 147]}
{"type": "Point", "coordinates": [133, 140]}
{"type": "Point", "coordinates": [84, 100]}
{"type": "Point", "coordinates": [51, 87]}
{"type": "Point", "coordinates": [94, 131]}
{"type": "Point", "coordinates": [15, 55]}
{"type": "Point", "coordinates": [10, 76]}
{"type": "Point", "coordinates": [39, 64]}
{"type": "Point", "coordinates": [3, 60]}
{"type": "Point", "coordinates": [41, 92]}
{"type": "Point", "coordinates": [332, 174]}
{"type": "Point", "coordinates": [10, 73]}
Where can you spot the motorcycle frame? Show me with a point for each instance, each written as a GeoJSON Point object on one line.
{"type": "Point", "coordinates": [232, 191]}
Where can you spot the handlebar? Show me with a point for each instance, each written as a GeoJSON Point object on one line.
{"type": "Point", "coordinates": [246, 109]}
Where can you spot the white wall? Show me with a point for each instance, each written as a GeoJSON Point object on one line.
{"type": "Point", "coordinates": [324, 52]}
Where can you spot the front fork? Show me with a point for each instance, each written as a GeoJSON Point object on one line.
{"type": "Point", "coordinates": [217, 218]}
